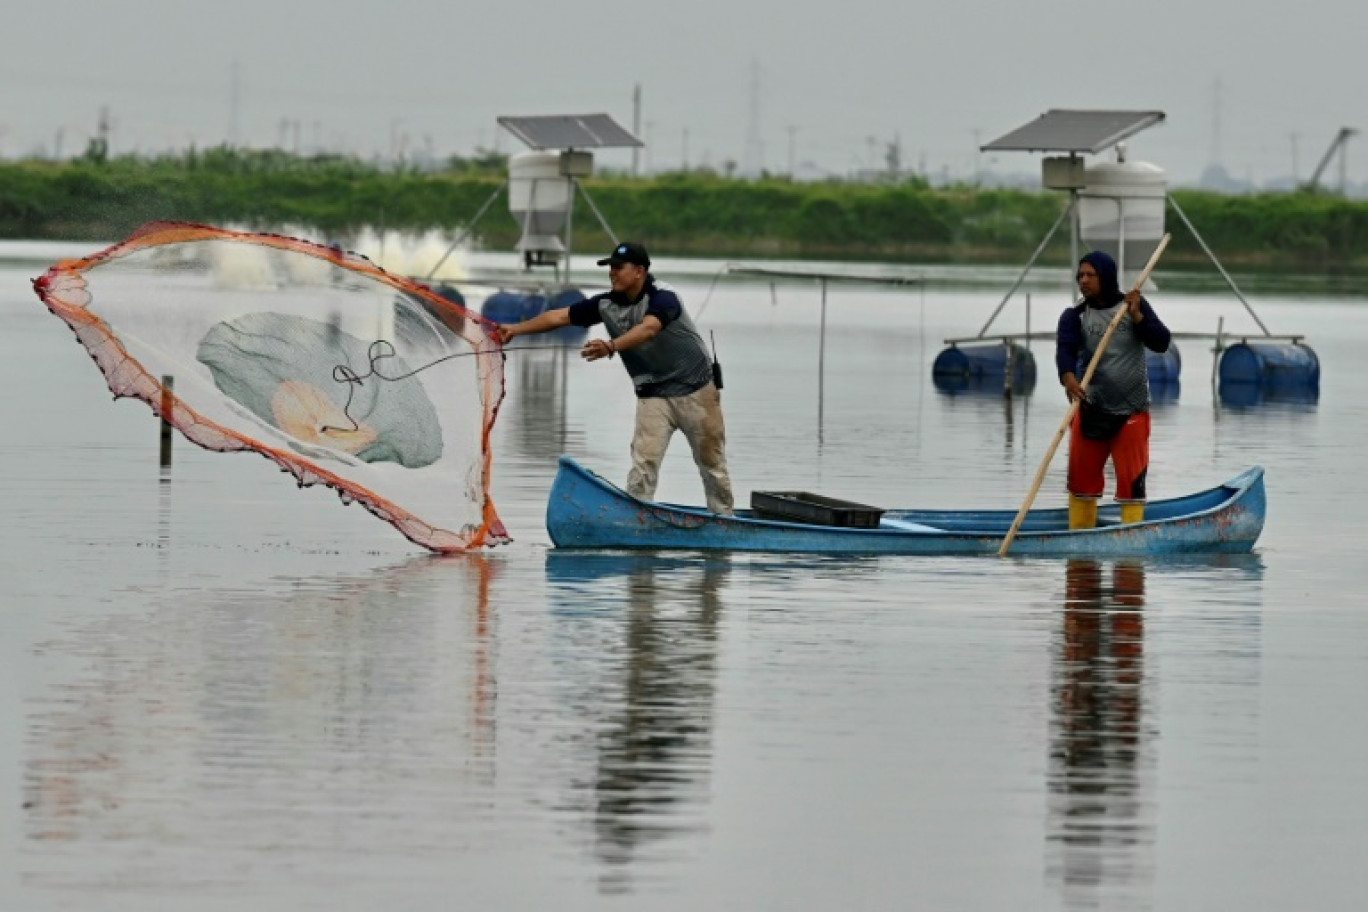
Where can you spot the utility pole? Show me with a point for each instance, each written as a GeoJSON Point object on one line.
{"type": "Point", "coordinates": [1216, 123]}
{"type": "Point", "coordinates": [1344, 164]}
{"type": "Point", "coordinates": [978, 156]}
{"type": "Point", "coordinates": [636, 128]}
{"type": "Point", "coordinates": [792, 133]}
{"type": "Point", "coordinates": [754, 159]}
{"type": "Point", "coordinates": [234, 78]}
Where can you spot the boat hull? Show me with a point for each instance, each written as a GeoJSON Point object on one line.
{"type": "Point", "coordinates": [584, 511]}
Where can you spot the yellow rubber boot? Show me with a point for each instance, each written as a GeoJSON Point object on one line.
{"type": "Point", "coordinates": [1132, 512]}
{"type": "Point", "coordinates": [1082, 512]}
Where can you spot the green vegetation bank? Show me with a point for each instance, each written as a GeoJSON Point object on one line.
{"type": "Point", "coordinates": [98, 198]}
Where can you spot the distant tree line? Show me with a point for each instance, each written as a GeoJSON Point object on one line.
{"type": "Point", "coordinates": [703, 213]}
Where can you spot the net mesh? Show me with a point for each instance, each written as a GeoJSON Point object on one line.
{"type": "Point", "coordinates": [339, 372]}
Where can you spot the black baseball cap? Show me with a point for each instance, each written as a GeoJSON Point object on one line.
{"type": "Point", "coordinates": [627, 252]}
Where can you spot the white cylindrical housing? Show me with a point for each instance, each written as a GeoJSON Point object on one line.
{"type": "Point", "coordinates": [1121, 211]}
{"type": "Point", "coordinates": [539, 198]}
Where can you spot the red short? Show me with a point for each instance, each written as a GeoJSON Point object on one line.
{"type": "Point", "coordinates": [1129, 452]}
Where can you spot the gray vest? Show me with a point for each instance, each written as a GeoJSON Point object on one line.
{"type": "Point", "coordinates": [674, 363]}
{"type": "Point", "coordinates": [1120, 384]}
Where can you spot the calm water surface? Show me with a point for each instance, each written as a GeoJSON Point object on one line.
{"type": "Point", "coordinates": [220, 692]}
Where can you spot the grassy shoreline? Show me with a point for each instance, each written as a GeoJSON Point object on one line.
{"type": "Point", "coordinates": [694, 214]}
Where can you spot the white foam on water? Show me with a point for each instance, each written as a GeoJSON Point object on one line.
{"type": "Point", "coordinates": [414, 255]}
{"type": "Point", "coordinates": [401, 253]}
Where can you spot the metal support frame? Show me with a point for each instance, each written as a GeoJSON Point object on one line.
{"type": "Point", "coordinates": [527, 221]}
{"type": "Point", "coordinates": [569, 225]}
{"type": "Point", "coordinates": [1071, 208]}
{"type": "Point", "coordinates": [1073, 229]}
{"type": "Point", "coordinates": [468, 229]}
{"type": "Point", "coordinates": [1071, 212]}
{"type": "Point", "coordinates": [1215, 262]}
{"type": "Point", "coordinates": [598, 215]}
{"type": "Point", "coordinates": [569, 215]}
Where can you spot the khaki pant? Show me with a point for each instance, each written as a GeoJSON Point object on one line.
{"type": "Point", "coordinates": [699, 416]}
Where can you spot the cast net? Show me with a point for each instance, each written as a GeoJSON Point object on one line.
{"type": "Point", "coordinates": [339, 372]}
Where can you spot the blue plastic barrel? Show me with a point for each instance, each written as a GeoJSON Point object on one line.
{"type": "Point", "coordinates": [512, 306]}
{"type": "Point", "coordinates": [532, 305]}
{"type": "Point", "coordinates": [1245, 395]}
{"type": "Point", "coordinates": [1163, 367]}
{"type": "Point", "coordinates": [503, 307]}
{"type": "Point", "coordinates": [452, 318]}
{"type": "Point", "coordinates": [568, 335]}
{"type": "Point", "coordinates": [451, 293]}
{"type": "Point", "coordinates": [967, 367]}
{"type": "Point", "coordinates": [1286, 365]}
{"type": "Point", "coordinates": [565, 297]}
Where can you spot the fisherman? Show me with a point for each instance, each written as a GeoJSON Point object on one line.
{"type": "Point", "coordinates": [669, 366]}
{"type": "Point", "coordinates": [1113, 418]}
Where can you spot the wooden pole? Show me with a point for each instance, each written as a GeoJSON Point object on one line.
{"type": "Point", "coordinates": [167, 404]}
{"type": "Point", "coordinates": [1073, 406]}
{"type": "Point", "coordinates": [821, 362]}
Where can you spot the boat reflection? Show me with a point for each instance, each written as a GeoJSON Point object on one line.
{"type": "Point", "coordinates": [653, 749]}
{"type": "Point", "coordinates": [1101, 823]}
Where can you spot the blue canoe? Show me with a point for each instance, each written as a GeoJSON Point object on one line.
{"type": "Point", "coordinates": [584, 511]}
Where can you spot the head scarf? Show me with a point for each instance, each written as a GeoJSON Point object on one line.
{"type": "Point", "coordinates": [1105, 266]}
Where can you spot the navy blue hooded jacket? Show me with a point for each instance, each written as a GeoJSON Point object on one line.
{"type": "Point", "coordinates": [1069, 335]}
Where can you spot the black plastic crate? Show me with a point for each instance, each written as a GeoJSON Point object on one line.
{"type": "Point", "coordinates": [800, 506]}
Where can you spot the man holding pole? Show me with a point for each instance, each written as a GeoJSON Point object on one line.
{"type": "Point", "coordinates": [1112, 420]}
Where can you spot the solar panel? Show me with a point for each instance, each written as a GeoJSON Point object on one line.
{"type": "Point", "coordinates": [1059, 130]}
{"type": "Point", "coordinates": [571, 131]}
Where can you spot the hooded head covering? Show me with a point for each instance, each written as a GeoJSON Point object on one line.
{"type": "Point", "coordinates": [1106, 273]}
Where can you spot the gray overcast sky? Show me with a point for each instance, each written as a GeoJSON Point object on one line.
{"type": "Point", "coordinates": [1262, 90]}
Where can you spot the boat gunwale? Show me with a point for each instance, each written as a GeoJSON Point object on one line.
{"type": "Point", "coordinates": [1235, 487]}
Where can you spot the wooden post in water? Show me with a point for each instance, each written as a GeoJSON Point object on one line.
{"type": "Point", "coordinates": [821, 362]}
{"type": "Point", "coordinates": [1007, 373]}
{"type": "Point", "coordinates": [1216, 351]}
{"type": "Point", "coordinates": [167, 404]}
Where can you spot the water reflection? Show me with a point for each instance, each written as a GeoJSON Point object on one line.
{"type": "Point", "coordinates": [335, 715]}
{"type": "Point", "coordinates": [1245, 395]}
{"type": "Point", "coordinates": [989, 402]}
{"type": "Point", "coordinates": [654, 743]}
{"type": "Point", "coordinates": [1101, 825]}
{"type": "Point", "coordinates": [995, 387]}
{"type": "Point", "coordinates": [1165, 392]}
{"type": "Point", "coordinates": [539, 416]}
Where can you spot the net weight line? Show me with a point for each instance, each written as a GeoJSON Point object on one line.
{"type": "Point", "coordinates": [381, 349]}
